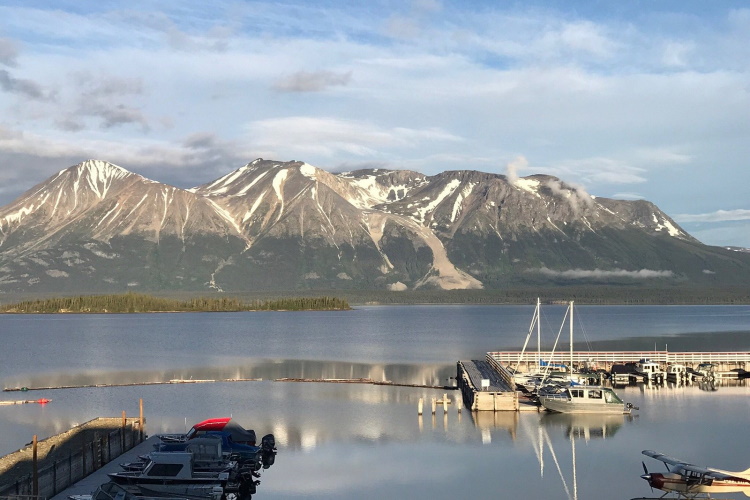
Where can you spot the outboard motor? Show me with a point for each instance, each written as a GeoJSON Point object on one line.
{"type": "Point", "coordinates": [268, 449]}
{"type": "Point", "coordinates": [268, 443]}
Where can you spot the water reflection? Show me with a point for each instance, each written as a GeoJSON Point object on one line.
{"type": "Point", "coordinates": [252, 369]}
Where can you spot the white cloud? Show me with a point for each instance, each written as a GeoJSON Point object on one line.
{"type": "Point", "coordinates": [717, 216]}
{"type": "Point", "coordinates": [627, 196]}
{"type": "Point", "coordinates": [662, 155]}
{"type": "Point", "coordinates": [600, 171]}
{"type": "Point", "coordinates": [676, 54]}
{"type": "Point", "coordinates": [512, 168]}
{"type": "Point", "coordinates": [604, 274]}
{"type": "Point", "coordinates": [331, 136]}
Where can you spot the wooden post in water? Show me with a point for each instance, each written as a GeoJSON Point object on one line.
{"type": "Point", "coordinates": [459, 403]}
{"type": "Point", "coordinates": [34, 468]}
{"type": "Point", "coordinates": [122, 432]}
{"type": "Point", "coordinates": [419, 407]}
{"type": "Point", "coordinates": [140, 420]}
{"type": "Point", "coordinates": [433, 405]}
{"type": "Point", "coordinates": [445, 403]}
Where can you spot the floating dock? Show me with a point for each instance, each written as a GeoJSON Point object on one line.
{"type": "Point", "coordinates": [484, 387]}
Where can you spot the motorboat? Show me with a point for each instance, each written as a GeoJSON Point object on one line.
{"type": "Point", "coordinates": [586, 399]}
{"type": "Point", "coordinates": [208, 454]}
{"type": "Point", "coordinates": [204, 446]}
{"type": "Point", "coordinates": [225, 424]}
{"type": "Point", "coordinates": [114, 491]}
{"type": "Point", "coordinates": [173, 474]}
{"type": "Point", "coordinates": [619, 374]}
{"type": "Point", "coordinates": [649, 370]}
{"type": "Point", "coordinates": [707, 371]}
{"type": "Point", "coordinates": [677, 372]}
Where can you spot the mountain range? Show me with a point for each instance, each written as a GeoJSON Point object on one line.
{"type": "Point", "coordinates": [269, 225]}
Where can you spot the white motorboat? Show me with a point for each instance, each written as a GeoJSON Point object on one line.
{"type": "Point", "coordinates": [586, 399]}
{"type": "Point", "coordinates": [677, 372]}
{"type": "Point", "coordinates": [706, 371]}
{"type": "Point", "coordinates": [172, 474]}
{"type": "Point", "coordinates": [649, 370]}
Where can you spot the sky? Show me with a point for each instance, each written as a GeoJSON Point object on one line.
{"type": "Point", "coordinates": [628, 100]}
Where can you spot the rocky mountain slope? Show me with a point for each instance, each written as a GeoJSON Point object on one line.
{"type": "Point", "coordinates": [96, 227]}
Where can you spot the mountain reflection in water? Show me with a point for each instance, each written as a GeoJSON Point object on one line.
{"type": "Point", "coordinates": [423, 374]}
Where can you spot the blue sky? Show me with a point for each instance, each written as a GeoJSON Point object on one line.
{"type": "Point", "coordinates": [630, 100]}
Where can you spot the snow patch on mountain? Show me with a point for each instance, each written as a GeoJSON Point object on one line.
{"type": "Point", "coordinates": [278, 183]}
{"type": "Point", "coordinates": [98, 175]}
{"type": "Point", "coordinates": [249, 186]}
{"type": "Point", "coordinates": [255, 206]}
{"type": "Point", "coordinates": [19, 215]}
{"type": "Point", "coordinates": [458, 204]}
{"type": "Point", "coordinates": [307, 170]}
{"type": "Point", "coordinates": [225, 215]}
{"type": "Point", "coordinates": [528, 185]}
{"type": "Point", "coordinates": [370, 192]}
{"type": "Point", "coordinates": [222, 184]}
{"type": "Point", "coordinates": [666, 225]}
{"type": "Point", "coordinates": [446, 192]}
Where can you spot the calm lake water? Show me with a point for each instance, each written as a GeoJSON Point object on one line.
{"type": "Point", "coordinates": [362, 441]}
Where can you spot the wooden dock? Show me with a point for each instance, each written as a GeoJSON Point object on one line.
{"type": "Point", "coordinates": [484, 387]}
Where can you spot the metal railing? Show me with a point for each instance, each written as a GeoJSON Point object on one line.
{"type": "Point", "coordinates": [511, 357]}
{"type": "Point", "coordinates": [53, 475]}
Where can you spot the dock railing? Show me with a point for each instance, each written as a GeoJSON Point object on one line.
{"type": "Point", "coordinates": [502, 370]}
{"type": "Point", "coordinates": [736, 359]}
{"type": "Point", "coordinates": [66, 458]}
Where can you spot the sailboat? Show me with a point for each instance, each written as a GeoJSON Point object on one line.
{"type": "Point", "coordinates": [524, 380]}
{"type": "Point", "coordinates": [556, 376]}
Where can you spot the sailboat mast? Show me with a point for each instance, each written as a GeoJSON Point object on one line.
{"type": "Point", "coordinates": [538, 336]}
{"type": "Point", "coordinates": [571, 336]}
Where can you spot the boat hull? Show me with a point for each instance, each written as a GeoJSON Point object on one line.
{"type": "Point", "coordinates": [565, 406]}
{"type": "Point", "coordinates": [188, 491]}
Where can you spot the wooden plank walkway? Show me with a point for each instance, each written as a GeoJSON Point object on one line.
{"type": "Point", "coordinates": [479, 369]}
{"type": "Point", "coordinates": [89, 483]}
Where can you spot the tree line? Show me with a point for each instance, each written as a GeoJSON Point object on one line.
{"type": "Point", "coordinates": [141, 303]}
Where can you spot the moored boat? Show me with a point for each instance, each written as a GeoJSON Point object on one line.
{"type": "Point", "coordinates": [225, 424]}
{"type": "Point", "coordinates": [649, 370]}
{"type": "Point", "coordinates": [677, 372]}
{"type": "Point", "coordinates": [619, 374]}
{"type": "Point", "coordinates": [172, 474]}
{"type": "Point", "coordinates": [586, 399]}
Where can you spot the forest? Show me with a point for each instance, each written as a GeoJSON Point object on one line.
{"type": "Point", "coordinates": [142, 303]}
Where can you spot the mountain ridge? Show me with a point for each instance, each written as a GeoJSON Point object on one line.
{"type": "Point", "coordinates": [270, 225]}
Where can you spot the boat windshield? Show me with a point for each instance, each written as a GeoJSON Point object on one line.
{"type": "Point", "coordinates": [611, 397]}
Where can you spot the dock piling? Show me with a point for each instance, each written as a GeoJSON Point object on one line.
{"type": "Point", "coordinates": [419, 407]}
{"type": "Point", "coordinates": [35, 468]}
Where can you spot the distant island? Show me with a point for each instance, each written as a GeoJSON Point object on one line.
{"type": "Point", "coordinates": [141, 303]}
